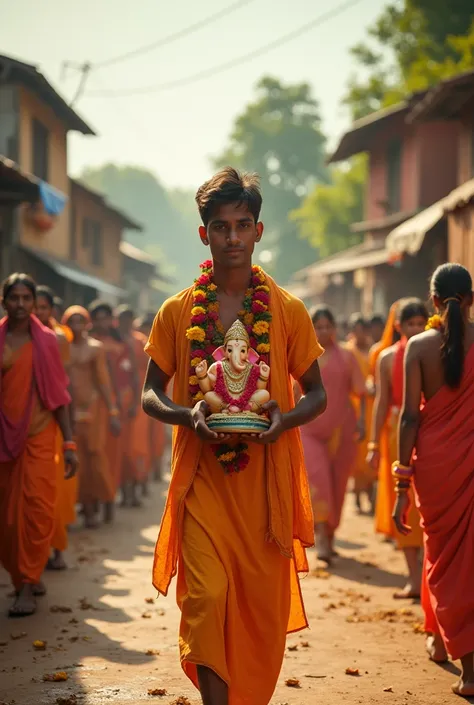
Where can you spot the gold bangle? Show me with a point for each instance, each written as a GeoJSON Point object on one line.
{"type": "Point", "coordinates": [202, 377]}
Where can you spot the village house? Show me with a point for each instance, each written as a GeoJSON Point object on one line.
{"type": "Point", "coordinates": [412, 164]}
{"type": "Point", "coordinates": [147, 287]}
{"type": "Point", "coordinates": [451, 101]}
{"type": "Point", "coordinates": [51, 226]}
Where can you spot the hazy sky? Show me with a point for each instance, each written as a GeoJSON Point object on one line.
{"type": "Point", "coordinates": [174, 132]}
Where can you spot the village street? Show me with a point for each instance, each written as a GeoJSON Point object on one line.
{"type": "Point", "coordinates": [104, 630]}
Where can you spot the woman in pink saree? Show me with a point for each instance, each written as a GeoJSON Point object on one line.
{"type": "Point", "coordinates": [330, 441]}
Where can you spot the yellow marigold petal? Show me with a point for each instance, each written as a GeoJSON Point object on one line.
{"type": "Point", "coordinates": [198, 397]}
{"type": "Point", "coordinates": [196, 333]}
{"type": "Point", "coordinates": [263, 348]}
{"type": "Point", "coordinates": [212, 287]}
{"type": "Point", "coordinates": [193, 380]}
{"type": "Point", "coordinates": [196, 310]}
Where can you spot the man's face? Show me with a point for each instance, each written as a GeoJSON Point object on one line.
{"type": "Point", "coordinates": [413, 326]}
{"type": "Point", "coordinates": [44, 309]}
{"type": "Point", "coordinates": [125, 322]}
{"type": "Point", "coordinates": [103, 321]}
{"type": "Point", "coordinates": [376, 331]}
{"type": "Point", "coordinates": [360, 334]}
{"type": "Point", "coordinates": [20, 303]}
{"type": "Point", "coordinates": [325, 330]}
{"type": "Point", "coordinates": [231, 235]}
{"type": "Point", "coordinates": [77, 324]}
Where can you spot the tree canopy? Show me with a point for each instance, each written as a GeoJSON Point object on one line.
{"type": "Point", "coordinates": [279, 136]}
{"type": "Point", "coordinates": [412, 45]}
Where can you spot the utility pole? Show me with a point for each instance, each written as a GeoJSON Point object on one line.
{"type": "Point", "coordinates": [84, 69]}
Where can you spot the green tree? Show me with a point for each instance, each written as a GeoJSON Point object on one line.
{"type": "Point", "coordinates": [327, 212]}
{"type": "Point", "coordinates": [411, 46]}
{"type": "Point", "coordinates": [279, 136]}
{"type": "Point", "coordinates": [168, 236]}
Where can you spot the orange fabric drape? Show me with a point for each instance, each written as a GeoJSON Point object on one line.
{"type": "Point", "coordinates": [388, 454]}
{"type": "Point", "coordinates": [444, 484]}
{"type": "Point", "coordinates": [237, 569]}
{"type": "Point", "coordinates": [362, 473]}
{"type": "Point", "coordinates": [28, 483]}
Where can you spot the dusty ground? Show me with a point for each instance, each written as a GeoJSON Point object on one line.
{"type": "Point", "coordinates": [114, 642]}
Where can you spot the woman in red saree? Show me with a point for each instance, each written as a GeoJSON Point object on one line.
{"type": "Point", "coordinates": [330, 441]}
{"type": "Point", "coordinates": [33, 399]}
{"type": "Point", "coordinates": [439, 367]}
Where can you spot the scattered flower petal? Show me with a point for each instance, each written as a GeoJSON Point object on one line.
{"type": "Point", "coordinates": [149, 600]}
{"type": "Point", "coordinates": [152, 652]}
{"type": "Point", "coordinates": [352, 672]}
{"type": "Point", "coordinates": [56, 677]}
{"type": "Point", "coordinates": [292, 683]}
{"type": "Point", "coordinates": [39, 645]}
{"type": "Point", "coordinates": [388, 690]}
{"type": "Point", "coordinates": [160, 692]}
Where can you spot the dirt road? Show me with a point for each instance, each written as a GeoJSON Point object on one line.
{"type": "Point", "coordinates": [113, 641]}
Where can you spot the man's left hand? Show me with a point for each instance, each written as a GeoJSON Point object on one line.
{"type": "Point", "coordinates": [70, 464]}
{"type": "Point", "coordinates": [277, 426]}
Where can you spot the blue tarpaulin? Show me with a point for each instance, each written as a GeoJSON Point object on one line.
{"type": "Point", "coordinates": [52, 199]}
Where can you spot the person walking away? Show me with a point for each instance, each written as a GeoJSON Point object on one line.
{"type": "Point", "coordinates": [66, 489]}
{"type": "Point", "coordinates": [156, 435]}
{"type": "Point", "coordinates": [436, 450]}
{"type": "Point", "coordinates": [136, 451]}
{"type": "Point", "coordinates": [359, 345]}
{"type": "Point", "coordinates": [330, 441]}
{"type": "Point", "coordinates": [238, 514]}
{"type": "Point", "coordinates": [33, 399]}
{"type": "Point", "coordinates": [95, 415]}
{"type": "Point", "coordinates": [411, 320]}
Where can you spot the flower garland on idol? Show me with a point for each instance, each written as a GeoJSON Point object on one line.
{"type": "Point", "coordinates": [206, 333]}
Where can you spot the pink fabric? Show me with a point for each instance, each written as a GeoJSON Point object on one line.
{"type": "Point", "coordinates": [51, 382]}
{"type": "Point", "coordinates": [329, 471]}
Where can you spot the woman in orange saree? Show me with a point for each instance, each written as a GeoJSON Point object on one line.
{"type": "Point", "coordinates": [330, 441]}
{"type": "Point", "coordinates": [436, 450]}
{"type": "Point", "coordinates": [33, 398]}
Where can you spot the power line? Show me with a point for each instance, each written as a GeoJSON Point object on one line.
{"type": "Point", "coordinates": [190, 29]}
{"type": "Point", "coordinates": [228, 65]}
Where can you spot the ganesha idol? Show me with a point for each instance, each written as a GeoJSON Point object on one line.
{"type": "Point", "coordinates": [235, 386]}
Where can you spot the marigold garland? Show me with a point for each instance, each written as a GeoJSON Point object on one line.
{"type": "Point", "coordinates": [206, 333]}
{"type": "Point", "coordinates": [435, 322]}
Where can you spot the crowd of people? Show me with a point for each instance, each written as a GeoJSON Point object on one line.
{"type": "Point", "coordinates": [72, 431]}
{"type": "Point", "coordinates": [388, 403]}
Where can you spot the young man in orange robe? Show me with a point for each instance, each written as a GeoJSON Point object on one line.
{"type": "Point", "coordinates": [95, 415]}
{"type": "Point", "coordinates": [135, 469]}
{"type": "Point", "coordinates": [411, 320]}
{"type": "Point", "coordinates": [66, 494]}
{"type": "Point", "coordinates": [33, 399]}
{"type": "Point", "coordinates": [238, 515]}
{"type": "Point", "coordinates": [436, 451]}
{"type": "Point", "coordinates": [122, 371]}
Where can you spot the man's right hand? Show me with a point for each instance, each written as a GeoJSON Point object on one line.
{"type": "Point", "coordinates": [199, 425]}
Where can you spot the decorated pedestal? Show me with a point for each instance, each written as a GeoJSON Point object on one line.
{"type": "Point", "coordinates": [238, 423]}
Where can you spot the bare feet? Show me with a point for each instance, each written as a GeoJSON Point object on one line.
{"type": "Point", "coordinates": [90, 516]}
{"type": "Point", "coordinates": [436, 649]}
{"type": "Point", "coordinates": [57, 562]}
{"type": "Point", "coordinates": [91, 522]}
{"type": "Point", "coordinates": [25, 603]}
{"type": "Point", "coordinates": [409, 592]}
{"type": "Point", "coordinates": [464, 688]}
{"type": "Point", "coordinates": [323, 544]}
{"type": "Point", "coordinates": [109, 512]}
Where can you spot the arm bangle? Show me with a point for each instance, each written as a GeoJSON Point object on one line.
{"type": "Point", "coordinates": [70, 445]}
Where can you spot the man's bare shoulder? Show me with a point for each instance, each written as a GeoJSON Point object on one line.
{"type": "Point", "coordinates": [95, 345]}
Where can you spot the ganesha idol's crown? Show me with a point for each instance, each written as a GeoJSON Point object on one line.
{"type": "Point", "coordinates": [237, 332]}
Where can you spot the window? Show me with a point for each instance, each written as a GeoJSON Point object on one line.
{"type": "Point", "coordinates": [9, 122]}
{"type": "Point", "coordinates": [92, 240]}
{"type": "Point", "coordinates": [394, 161]}
{"type": "Point", "coordinates": [40, 150]}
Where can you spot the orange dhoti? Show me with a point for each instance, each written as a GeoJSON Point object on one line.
{"type": "Point", "coordinates": [96, 481]}
{"type": "Point", "coordinates": [27, 508]}
{"type": "Point", "coordinates": [66, 497]}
